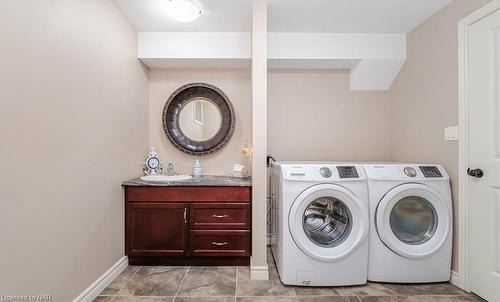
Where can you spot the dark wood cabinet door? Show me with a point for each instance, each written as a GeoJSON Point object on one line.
{"type": "Point", "coordinates": [157, 229]}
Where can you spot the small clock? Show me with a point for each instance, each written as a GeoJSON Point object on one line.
{"type": "Point", "coordinates": [153, 162]}
{"type": "Point", "coordinates": [152, 165]}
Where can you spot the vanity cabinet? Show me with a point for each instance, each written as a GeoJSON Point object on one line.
{"type": "Point", "coordinates": [156, 229]}
{"type": "Point", "coordinates": [188, 225]}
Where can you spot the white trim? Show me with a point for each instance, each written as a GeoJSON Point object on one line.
{"type": "Point", "coordinates": [455, 279]}
{"type": "Point", "coordinates": [259, 139]}
{"type": "Point", "coordinates": [103, 281]}
{"type": "Point", "coordinates": [259, 273]}
{"type": "Point", "coordinates": [463, 155]}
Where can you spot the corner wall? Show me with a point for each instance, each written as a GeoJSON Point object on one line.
{"type": "Point", "coordinates": [73, 125]}
{"type": "Point", "coordinates": [424, 96]}
{"type": "Point", "coordinates": [313, 115]}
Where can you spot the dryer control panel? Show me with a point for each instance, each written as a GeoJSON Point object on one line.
{"type": "Point", "coordinates": [430, 171]}
{"type": "Point", "coordinates": [413, 172]}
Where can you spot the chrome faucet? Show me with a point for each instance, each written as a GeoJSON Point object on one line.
{"type": "Point", "coordinates": [170, 169]}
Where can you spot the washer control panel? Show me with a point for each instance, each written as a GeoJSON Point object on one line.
{"type": "Point", "coordinates": [325, 172]}
{"type": "Point", "coordinates": [410, 172]}
{"type": "Point", "coordinates": [321, 172]}
{"type": "Point", "coordinates": [347, 172]}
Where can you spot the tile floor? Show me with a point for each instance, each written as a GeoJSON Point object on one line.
{"type": "Point", "coordinates": [230, 284]}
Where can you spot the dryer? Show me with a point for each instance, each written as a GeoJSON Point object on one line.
{"type": "Point", "coordinates": [319, 223]}
{"type": "Point", "coordinates": [410, 223]}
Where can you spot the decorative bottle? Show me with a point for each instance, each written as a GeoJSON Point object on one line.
{"type": "Point", "coordinates": [197, 169]}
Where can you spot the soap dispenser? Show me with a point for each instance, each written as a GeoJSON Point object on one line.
{"type": "Point", "coordinates": [197, 169]}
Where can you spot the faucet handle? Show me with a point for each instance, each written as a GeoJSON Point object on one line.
{"type": "Point", "coordinates": [170, 169]}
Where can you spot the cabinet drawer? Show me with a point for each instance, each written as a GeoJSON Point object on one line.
{"type": "Point", "coordinates": [188, 194]}
{"type": "Point", "coordinates": [219, 243]}
{"type": "Point", "coordinates": [220, 216]}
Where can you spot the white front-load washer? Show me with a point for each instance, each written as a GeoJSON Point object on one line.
{"type": "Point", "coordinates": [319, 231]}
{"type": "Point", "coordinates": [410, 223]}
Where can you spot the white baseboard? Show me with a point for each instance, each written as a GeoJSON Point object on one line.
{"type": "Point", "coordinates": [259, 273]}
{"type": "Point", "coordinates": [455, 279]}
{"type": "Point", "coordinates": [103, 281]}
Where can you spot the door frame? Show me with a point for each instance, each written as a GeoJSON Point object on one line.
{"type": "Point", "coordinates": [461, 279]}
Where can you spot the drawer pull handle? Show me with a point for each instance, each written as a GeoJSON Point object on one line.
{"type": "Point", "coordinates": [219, 216]}
{"type": "Point", "coordinates": [219, 243]}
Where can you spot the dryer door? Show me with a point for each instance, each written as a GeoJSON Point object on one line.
{"type": "Point", "coordinates": [413, 220]}
{"type": "Point", "coordinates": [328, 222]}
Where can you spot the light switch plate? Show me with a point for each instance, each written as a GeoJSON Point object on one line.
{"type": "Point", "coordinates": [451, 133]}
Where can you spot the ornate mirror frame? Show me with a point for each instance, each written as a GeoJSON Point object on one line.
{"type": "Point", "coordinates": [181, 97]}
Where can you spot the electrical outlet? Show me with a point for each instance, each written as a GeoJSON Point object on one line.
{"type": "Point", "coordinates": [451, 133]}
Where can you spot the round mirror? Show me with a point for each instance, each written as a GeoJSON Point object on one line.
{"type": "Point", "coordinates": [198, 119]}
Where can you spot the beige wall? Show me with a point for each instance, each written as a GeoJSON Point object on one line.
{"type": "Point", "coordinates": [73, 125]}
{"type": "Point", "coordinates": [237, 86]}
{"type": "Point", "coordinates": [313, 115]}
{"type": "Point", "coordinates": [424, 96]}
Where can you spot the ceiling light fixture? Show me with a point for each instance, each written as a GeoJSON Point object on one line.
{"type": "Point", "coordinates": [182, 10]}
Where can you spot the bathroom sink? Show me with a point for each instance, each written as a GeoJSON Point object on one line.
{"type": "Point", "coordinates": [166, 178]}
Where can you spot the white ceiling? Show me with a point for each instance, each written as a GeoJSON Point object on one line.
{"type": "Point", "coordinates": [332, 16]}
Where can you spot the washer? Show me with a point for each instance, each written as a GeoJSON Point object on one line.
{"type": "Point", "coordinates": [319, 224]}
{"type": "Point", "coordinates": [410, 223]}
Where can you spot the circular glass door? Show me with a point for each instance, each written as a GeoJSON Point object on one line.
{"type": "Point", "coordinates": [413, 220]}
{"type": "Point", "coordinates": [327, 222]}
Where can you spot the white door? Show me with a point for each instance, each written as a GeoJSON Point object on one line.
{"type": "Point", "coordinates": [484, 156]}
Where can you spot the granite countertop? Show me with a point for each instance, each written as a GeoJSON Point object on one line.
{"type": "Point", "coordinates": [204, 181]}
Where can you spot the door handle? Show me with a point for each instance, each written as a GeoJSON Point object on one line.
{"type": "Point", "coordinates": [219, 243]}
{"type": "Point", "coordinates": [219, 216]}
{"type": "Point", "coordinates": [477, 173]}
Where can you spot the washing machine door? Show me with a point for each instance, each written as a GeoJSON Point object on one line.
{"type": "Point", "coordinates": [413, 220]}
{"type": "Point", "coordinates": [328, 222]}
